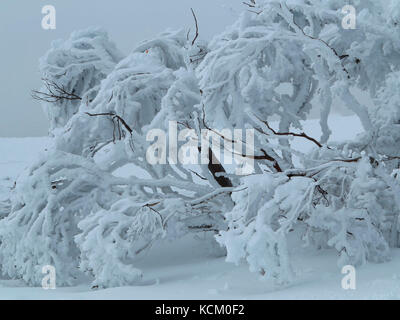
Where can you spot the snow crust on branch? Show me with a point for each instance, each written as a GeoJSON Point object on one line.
{"type": "Point", "coordinates": [75, 210]}
{"type": "Point", "coordinates": [77, 65]}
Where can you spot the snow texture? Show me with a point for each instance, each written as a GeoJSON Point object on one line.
{"type": "Point", "coordinates": [94, 206]}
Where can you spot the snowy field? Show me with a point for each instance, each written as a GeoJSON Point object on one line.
{"type": "Point", "coordinates": [185, 270]}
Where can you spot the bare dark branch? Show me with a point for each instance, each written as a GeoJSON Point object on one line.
{"type": "Point", "coordinates": [251, 5]}
{"type": "Point", "coordinates": [197, 174]}
{"type": "Point", "coordinates": [265, 155]}
{"type": "Point", "coordinates": [113, 116]}
{"type": "Point", "coordinates": [299, 135]}
{"type": "Point", "coordinates": [54, 93]}
{"type": "Point", "coordinates": [197, 27]}
{"type": "Point", "coordinates": [117, 122]}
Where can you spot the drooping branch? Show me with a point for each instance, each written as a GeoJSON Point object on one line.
{"type": "Point", "coordinates": [340, 57]}
{"type": "Point", "coordinates": [54, 93]}
{"type": "Point", "coordinates": [311, 172]}
{"type": "Point", "coordinates": [293, 134]}
{"type": "Point", "coordinates": [113, 116]}
{"type": "Point", "coordinates": [296, 25]}
{"type": "Point", "coordinates": [117, 122]}
{"type": "Point", "coordinates": [269, 158]}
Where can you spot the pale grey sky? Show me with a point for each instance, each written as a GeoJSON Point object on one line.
{"type": "Point", "coordinates": [127, 21]}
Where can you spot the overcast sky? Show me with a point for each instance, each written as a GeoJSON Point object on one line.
{"type": "Point", "coordinates": [23, 41]}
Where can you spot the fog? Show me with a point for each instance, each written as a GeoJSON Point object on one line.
{"type": "Point", "coordinates": [23, 41]}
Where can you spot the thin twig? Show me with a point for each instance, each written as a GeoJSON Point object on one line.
{"type": "Point", "coordinates": [299, 135]}
{"type": "Point", "coordinates": [197, 27]}
{"type": "Point", "coordinates": [249, 4]}
{"type": "Point", "coordinates": [54, 93]}
{"type": "Point", "coordinates": [340, 57]}
{"type": "Point", "coordinates": [197, 174]}
{"type": "Point", "coordinates": [113, 116]}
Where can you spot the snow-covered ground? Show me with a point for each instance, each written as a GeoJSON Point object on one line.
{"type": "Point", "coordinates": [185, 270]}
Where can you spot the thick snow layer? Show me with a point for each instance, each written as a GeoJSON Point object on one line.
{"type": "Point", "coordinates": [185, 270]}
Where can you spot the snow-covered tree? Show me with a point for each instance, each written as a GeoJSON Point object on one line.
{"type": "Point", "coordinates": [344, 196]}
{"type": "Point", "coordinates": [51, 208]}
{"type": "Point", "coordinates": [95, 203]}
{"type": "Point", "coordinates": [72, 71]}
